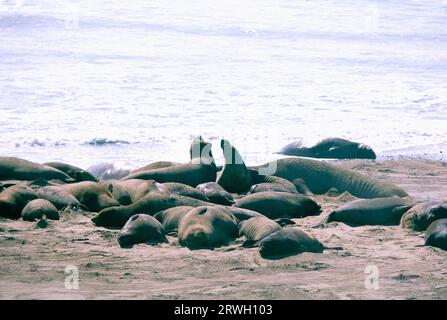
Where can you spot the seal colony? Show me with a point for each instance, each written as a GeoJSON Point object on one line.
{"type": "Point", "coordinates": [208, 206]}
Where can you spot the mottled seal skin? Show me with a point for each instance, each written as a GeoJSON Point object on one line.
{"type": "Point", "coordinates": [14, 199]}
{"type": "Point", "coordinates": [216, 194]}
{"type": "Point", "coordinates": [319, 177]}
{"type": "Point", "coordinates": [74, 172]}
{"type": "Point", "coordinates": [235, 176]}
{"type": "Point", "coordinates": [141, 228]}
{"type": "Point", "coordinates": [181, 190]}
{"type": "Point", "coordinates": [423, 214]}
{"type": "Point", "coordinates": [280, 205]}
{"type": "Point", "coordinates": [92, 195]}
{"type": "Point", "coordinates": [19, 169]}
{"type": "Point", "coordinates": [58, 197]}
{"type": "Point", "coordinates": [116, 217]}
{"type": "Point", "coordinates": [38, 208]}
{"type": "Point", "coordinates": [207, 228]}
{"type": "Point", "coordinates": [256, 229]}
{"type": "Point", "coordinates": [436, 234]}
{"type": "Point", "coordinates": [289, 241]}
{"type": "Point", "coordinates": [331, 148]}
{"type": "Point", "coordinates": [380, 211]}
{"type": "Point", "coordinates": [170, 218]}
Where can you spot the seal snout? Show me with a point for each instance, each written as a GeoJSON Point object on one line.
{"type": "Point", "coordinates": [197, 239]}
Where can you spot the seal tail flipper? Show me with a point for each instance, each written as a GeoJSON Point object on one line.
{"type": "Point", "coordinates": [250, 243]}
{"type": "Point", "coordinates": [338, 248]}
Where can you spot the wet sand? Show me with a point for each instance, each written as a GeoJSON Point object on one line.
{"type": "Point", "coordinates": [33, 260]}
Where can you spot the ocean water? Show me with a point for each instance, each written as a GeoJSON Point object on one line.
{"type": "Point", "coordinates": [92, 81]}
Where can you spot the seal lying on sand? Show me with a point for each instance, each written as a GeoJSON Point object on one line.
{"type": "Point", "coordinates": [14, 199]}
{"type": "Point", "coordinates": [19, 169]}
{"type": "Point", "coordinates": [423, 214]}
{"type": "Point", "coordinates": [235, 176]}
{"type": "Point", "coordinates": [215, 193]}
{"type": "Point", "coordinates": [279, 204]}
{"type": "Point", "coordinates": [436, 234]}
{"type": "Point", "coordinates": [76, 173]}
{"type": "Point", "coordinates": [170, 218]}
{"type": "Point", "coordinates": [207, 227]}
{"type": "Point", "coordinates": [38, 208]}
{"type": "Point", "coordinates": [59, 197]}
{"type": "Point", "coordinates": [290, 241]}
{"type": "Point", "coordinates": [116, 217]}
{"type": "Point", "coordinates": [319, 176]}
{"type": "Point", "coordinates": [141, 228]}
{"type": "Point", "coordinates": [330, 148]}
{"type": "Point", "coordinates": [256, 229]}
{"type": "Point", "coordinates": [91, 194]}
{"type": "Point", "coordinates": [379, 211]}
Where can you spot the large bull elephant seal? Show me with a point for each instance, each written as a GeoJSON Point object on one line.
{"type": "Point", "coordinates": [290, 241]}
{"type": "Point", "coordinates": [379, 211]}
{"type": "Point", "coordinates": [14, 199]}
{"type": "Point", "coordinates": [216, 194]}
{"type": "Point", "coordinates": [235, 176]}
{"type": "Point", "coordinates": [423, 214]}
{"type": "Point", "coordinates": [331, 148]}
{"type": "Point", "coordinates": [38, 208]}
{"type": "Point", "coordinates": [436, 234]}
{"type": "Point", "coordinates": [19, 169]}
{"type": "Point", "coordinates": [59, 197]}
{"type": "Point", "coordinates": [141, 228]}
{"type": "Point", "coordinates": [198, 170]}
{"type": "Point", "coordinates": [170, 218]}
{"type": "Point", "coordinates": [93, 195]}
{"type": "Point", "coordinates": [275, 205]}
{"type": "Point", "coordinates": [319, 177]}
{"type": "Point", "coordinates": [153, 202]}
{"type": "Point", "coordinates": [74, 172]}
{"type": "Point", "coordinates": [207, 227]}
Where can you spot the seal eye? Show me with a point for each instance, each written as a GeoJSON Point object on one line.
{"type": "Point", "coordinates": [135, 217]}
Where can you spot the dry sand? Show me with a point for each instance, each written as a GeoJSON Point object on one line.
{"type": "Point", "coordinates": [33, 260]}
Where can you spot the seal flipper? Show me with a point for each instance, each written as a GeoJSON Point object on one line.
{"type": "Point", "coordinates": [250, 243]}
{"type": "Point", "coordinates": [284, 221]}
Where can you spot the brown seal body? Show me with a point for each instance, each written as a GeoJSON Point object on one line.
{"type": "Point", "coordinates": [436, 234]}
{"type": "Point", "coordinates": [74, 172]}
{"type": "Point", "coordinates": [170, 218]}
{"type": "Point", "coordinates": [38, 208]}
{"type": "Point", "coordinates": [14, 199]}
{"type": "Point", "coordinates": [257, 228]}
{"type": "Point", "coordinates": [423, 214]}
{"type": "Point", "coordinates": [207, 227]}
{"type": "Point", "coordinates": [141, 228]}
{"type": "Point", "coordinates": [59, 197]}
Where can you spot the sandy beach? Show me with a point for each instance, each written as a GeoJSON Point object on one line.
{"type": "Point", "coordinates": [34, 260]}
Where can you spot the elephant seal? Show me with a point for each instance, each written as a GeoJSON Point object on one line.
{"type": "Point", "coordinates": [243, 214]}
{"type": "Point", "coordinates": [141, 228]}
{"type": "Point", "coordinates": [319, 177]}
{"type": "Point", "coordinates": [93, 195]}
{"type": "Point", "coordinates": [135, 188]}
{"type": "Point", "coordinates": [170, 218]}
{"type": "Point", "coordinates": [58, 197]}
{"type": "Point", "coordinates": [216, 194]}
{"type": "Point", "coordinates": [257, 228]}
{"type": "Point", "coordinates": [19, 169]}
{"type": "Point", "coordinates": [290, 241]}
{"type": "Point", "coordinates": [38, 208]}
{"type": "Point", "coordinates": [107, 171]}
{"type": "Point", "coordinates": [14, 199]}
{"type": "Point", "coordinates": [74, 172]}
{"type": "Point", "coordinates": [152, 203]}
{"type": "Point", "coordinates": [436, 234]}
{"type": "Point", "coordinates": [155, 165]}
{"type": "Point", "coordinates": [200, 169]}
{"type": "Point", "coordinates": [207, 227]}
{"type": "Point", "coordinates": [235, 176]}
{"type": "Point", "coordinates": [181, 190]}
{"type": "Point", "coordinates": [275, 187]}
{"type": "Point", "coordinates": [423, 214]}
{"type": "Point", "coordinates": [380, 211]}
{"type": "Point", "coordinates": [279, 204]}
{"type": "Point", "coordinates": [331, 148]}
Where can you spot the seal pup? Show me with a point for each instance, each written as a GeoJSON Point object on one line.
{"type": "Point", "coordinates": [380, 211]}
{"type": "Point", "coordinates": [207, 228]}
{"type": "Point", "coordinates": [14, 199]}
{"type": "Point", "coordinates": [275, 205]}
{"type": "Point", "coordinates": [436, 234]}
{"type": "Point", "coordinates": [235, 176]}
{"type": "Point", "coordinates": [331, 148]}
{"type": "Point", "coordinates": [141, 228]}
{"type": "Point", "coordinates": [423, 214]}
{"type": "Point", "coordinates": [38, 208]}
